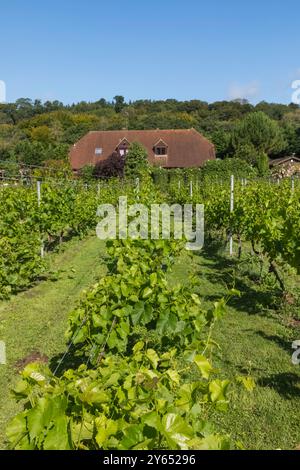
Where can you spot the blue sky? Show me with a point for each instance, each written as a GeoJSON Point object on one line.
{"type": "Point", "coordinates": [210, 50]}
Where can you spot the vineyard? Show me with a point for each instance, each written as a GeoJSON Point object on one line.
{"type": "Point", "coordinates": [36, 218]}
{"type": "Point", "coordinates": [263, 213]}
{"type": "Point", "coordinates": [138, 369]}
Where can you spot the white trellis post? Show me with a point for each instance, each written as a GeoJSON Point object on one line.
{"type": "Point", "coordinates": [137, 185]}
{"type": "Point", "coordinates": [38, 188]}
{"type": "Point", "coordinates": [231, 210]}
{"type": "Point", "coordinates": [39, 197]}
{"type": "Point", "coordinates": [2, 353]}
{"type": "Point", "coordinates": [191, 188]}
{"type": "Point", "coordinates": [293, 184]}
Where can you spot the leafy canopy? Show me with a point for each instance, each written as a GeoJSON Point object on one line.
{"type": "Point", "coordinates": [260, 133]}
{"type": "Point", "coordinates": [136, 164]}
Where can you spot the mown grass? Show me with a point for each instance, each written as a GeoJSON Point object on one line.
{"type": "Point", "coordinates": [35, 321]}
{"type": "Point", "coordinates": [254, 337]}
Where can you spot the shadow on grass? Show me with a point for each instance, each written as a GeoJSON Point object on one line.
{"type": "Point", "coordinates": [281, 342]}
{"type": "Point", "coordinates": [253, 299]}
{"type": "Point", "coordinates": [238, 368]}
{"type": "Point", "coordinates": [287, 384]}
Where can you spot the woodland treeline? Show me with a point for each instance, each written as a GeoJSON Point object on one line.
{"type": "Point", "coordinates": [33, 132]}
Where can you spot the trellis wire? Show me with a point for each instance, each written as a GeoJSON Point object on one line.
{"type": "Point", "coordinates": [69, 346]}
{"type": "Point", "coordinates": [102, 349]}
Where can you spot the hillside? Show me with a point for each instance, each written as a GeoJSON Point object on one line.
{"type": "Point", "coordinates": [33, 132]}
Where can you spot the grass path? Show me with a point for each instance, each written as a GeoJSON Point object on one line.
{"type": "Point", "coordinates": [35, 320]}
{"type": "Point", "coordinates": [252, 336]}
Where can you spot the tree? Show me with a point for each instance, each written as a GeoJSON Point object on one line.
{"type": "Point", "coordinates": [111, 167]}
{"type": "Point", "coordinates": [41, 134]}
{"type": "Point", "coordinates": [57, 152]}
{"type": "Point", "coordinates": [86, 173]}
{"type": "Point", "coordinates": [54, 168]}
{"type": "Point", "coordinates": [10, 110]}
{"type": "Point", "coordinates": [119, 103]}
{"type": "Point", "coordinates": [223, 169]}
{"type": "Point", "coordinates": [24, 108]}
{"type": "Point", "coordinates": [260, 132]}
{"type": "Point", "coordinates": [136, 162]}
{"type": "Point", "coordinates": [273, 110]}
{"type": "Point", "coordinates": [30, 153]}
{"type": "Point", "coordinates": [36, 153]}
{"type": "Point", "coordinates": [247, 152]}
{"type": "Point", "coordinates": [222, 141]}
{"type": "Point", "coordinates": [291, 132]}
{"type": "Point", "coordinates": [263, 164]}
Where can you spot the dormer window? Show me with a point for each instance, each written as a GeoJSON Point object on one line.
{"type": "Point", "coordinates": [123, 147]}
{"type": "Point", "coordinates": [161, 148]}
{"type": "Point", "coordinates": [160, 151]}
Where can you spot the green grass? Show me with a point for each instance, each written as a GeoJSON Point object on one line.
{"type": "Point", "coordinates": [254, 337]}
{"type": "Point", "coordinates": [35, 320]}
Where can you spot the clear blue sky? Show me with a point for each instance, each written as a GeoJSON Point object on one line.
{"type": "Point", "coordinates": [210, 50]}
